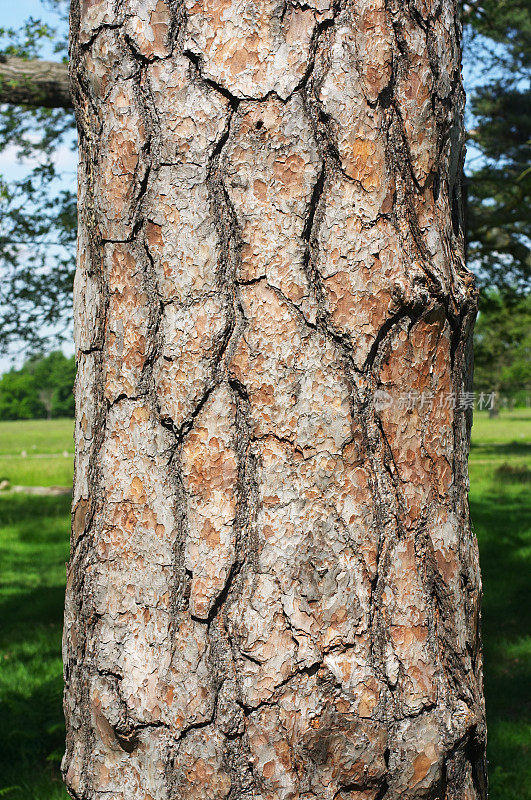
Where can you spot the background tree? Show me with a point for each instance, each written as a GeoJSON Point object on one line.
{"type": "Point", "coordinates": [37, 211]}
{"type": "Point", "coordinates": [19, 398]}
{"type": "Point", "coordinates": [502, 347]}
{"type": "Point", "coordinates": [499, 186]}
{"type": "Point", "coordinates": [41, 388]}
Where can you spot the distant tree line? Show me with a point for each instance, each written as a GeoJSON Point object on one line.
{"type": "Point", "coordinates": [502, 347]}
{"type": "Point", "coordinates": [41, 389]}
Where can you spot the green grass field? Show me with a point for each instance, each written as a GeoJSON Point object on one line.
{"type": "Point", "coordinates": [34, 548]}
{"type": "Point", "coordinates": [48, 452]}
{"type": "Point", "coordinates": [500, 483]}
{"type": "Point", "coordinates": [36, 436]}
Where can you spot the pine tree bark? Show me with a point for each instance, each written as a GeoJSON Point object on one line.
{"type": "Point", "coordinates": [273, 589]}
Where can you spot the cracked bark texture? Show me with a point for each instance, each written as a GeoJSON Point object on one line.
{"type": "Point", "coordinates": [273, 590]}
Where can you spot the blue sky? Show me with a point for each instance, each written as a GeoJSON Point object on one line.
{"type": "Point", "coordinates": [15, 12]}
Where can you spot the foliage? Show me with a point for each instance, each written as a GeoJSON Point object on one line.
{"type": "Point", "coordinates": [502, 346]}
{"type": "Point", "coordinates": [18, 397]}
{"type": "Point", "coordinates": [41, 388]}
{"type": "Point", "coordinates": [37, 212]}
{"type": "Point", "coordinates": [498, 36]}
{"type": "Point", "coordinates": [499, 191]}
{"type": "Point", "coordinates": [506, 22]}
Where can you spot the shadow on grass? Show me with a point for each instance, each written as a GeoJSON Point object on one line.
{"type": "Point", "coordinates": [513, 473]}
{"type": "Point", "coordinates": [24, 611]}
{"type": "Point", "coordinates": [33, 732]}
{"type": "Point", "coordinates": [502, 524]}
{"type": "Point", "coordinates": [509, 450]}
{"type": "Point", "coordinates": [18, 508]}
{"type": "Point", "coordinates": [33, 551]}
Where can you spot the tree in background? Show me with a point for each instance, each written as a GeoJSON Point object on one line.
{"type": "Point", "coordinates": [43, 387]}
{"type": "Point", "coordinates": [19, 398]}
{"type": "Point", "coordinates": [37, 212]}
{"type": "Point", "coordinates": [502, 346]}
{"type": "Point", "coordinates": [499, 188]}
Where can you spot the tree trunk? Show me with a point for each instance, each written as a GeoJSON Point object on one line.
{"type": "Point", "coordinates": [273, 589]}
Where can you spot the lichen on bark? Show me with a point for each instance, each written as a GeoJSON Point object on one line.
{"type": "Point", "coordinates": [273, 590]}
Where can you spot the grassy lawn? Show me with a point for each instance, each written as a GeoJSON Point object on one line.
{"type": "Point", "coordinates": [36, 436]}
{"type": "Point", "coordinates": [47, 471]}
{"type": "Point", "coordinates": [37, 452]}
{"type": "Point", "coordinates": [510, 426]}
{"type": "Point", "coordinates": [500, 484]}
{"type": "Point", "coordinates": [34, 548]}
{"type": "Point", "coordinates": [33, 551]}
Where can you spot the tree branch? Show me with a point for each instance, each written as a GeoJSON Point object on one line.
{"type": "Point", "coordinates": [34, 83]}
